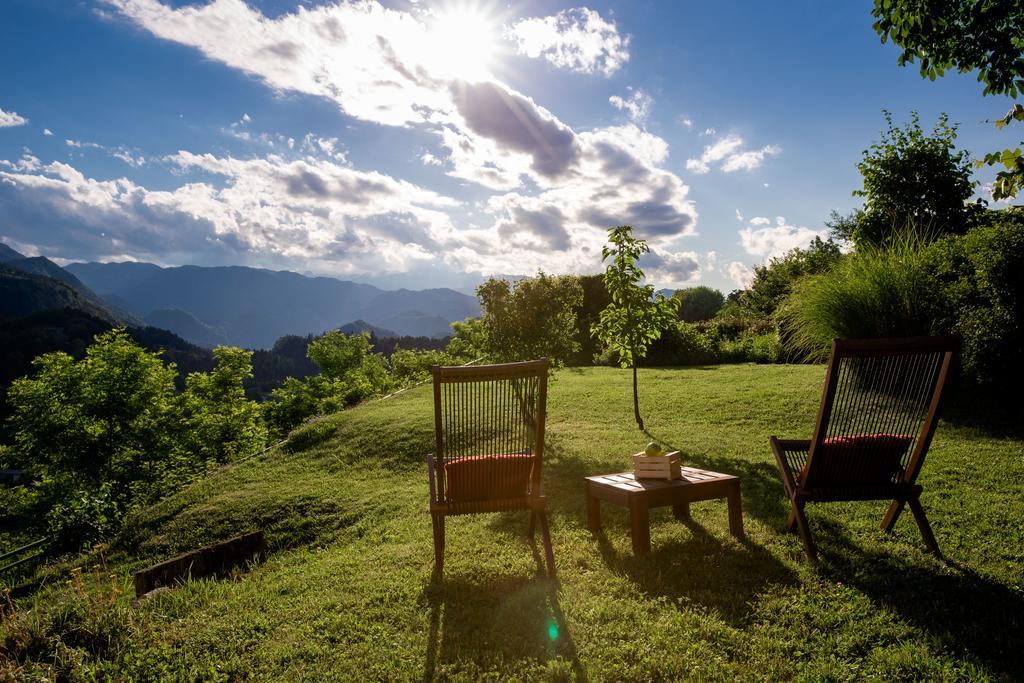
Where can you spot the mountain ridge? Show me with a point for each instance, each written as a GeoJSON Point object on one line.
{"type": "Point", "coordinates": [256, 306]}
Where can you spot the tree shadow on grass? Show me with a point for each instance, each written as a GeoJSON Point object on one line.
{"type": "Point", "coordinates": [967, 613]}
{"type": "Point", "coordinates": [490, 623]}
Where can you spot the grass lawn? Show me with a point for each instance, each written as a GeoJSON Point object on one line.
{"type": "Point", "coordinates": [346, 592]}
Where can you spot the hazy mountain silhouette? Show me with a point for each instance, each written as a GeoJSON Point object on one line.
{"type": "Point", "coordinates": [254, 306]}
{"type": "Point", "coordinates": [187, 326]}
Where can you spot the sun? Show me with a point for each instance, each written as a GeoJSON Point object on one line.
{"type": "Point", "coordinates": [463, 43]}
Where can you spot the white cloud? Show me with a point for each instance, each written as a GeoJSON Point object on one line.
{"type": "Point", "coordinates": [739, 216]}
{"type": "Point", "coordinates": [710, 261]}
{"type": "Point", "coordinates": [714, 152]}
{"type": "Point", "coordinates": [709, 131]}
{"type": "Point", "coordinates": [740, 274]}
{"type": "Point", "coordinates": [310, 213]}
{"type": "Point", "coordinates": [429, 159]}
{"type": "Point", "coordinates": [637, 105]}
{"type": "Point", "coordinates": [770, 242]}
{"type": "Point", "coordinates": [560, 189]}
{"type": "Point", "coordinates": [686, 123]}
{"type": "Point", "coordinates": [760, 220]}
{"type": "Point", "coordinates": [78, 144]}
{"type": "Point", "coordinates": [749, 160]}
{"type": "Point", "coordinates": [9, 119]}
{"type": "Point", "coordinates": [728, 151]}
{"type": "Point", "coordinates": [578, 39]}
{"type": "Point", "coordinates": [47, 132]}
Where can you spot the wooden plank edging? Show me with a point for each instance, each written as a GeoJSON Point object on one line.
{"type": "Point", "coordinates": [216, 559]}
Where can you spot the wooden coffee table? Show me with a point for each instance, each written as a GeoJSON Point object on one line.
{"type": "Point", "coordinates": [640, 495]}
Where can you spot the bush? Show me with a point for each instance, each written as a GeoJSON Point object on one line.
{"type": "Point", "coordinates": [873, 293]}
{"type": "Point", "coordinates": [85, 516]}
{"type": "Point", "coordinates": [979, 294]}
{"type": "Point", "coordinates": [683, 343]}
{"type": "Point", "coordinates": [971, 285]}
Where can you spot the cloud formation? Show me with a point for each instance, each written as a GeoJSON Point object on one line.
{"type": "Point", "coordinates": [637, 105]}
{"type": "Point", "coordinates": [557, 189]}
{"type": "Point", "coordinates": [728, 154]}
{"type": "Point", "coordinates": [9, 119]}
{"type": "Point", "coordinates": [774, 241]}
{"type": "Point", "coordinates": [578, 39]}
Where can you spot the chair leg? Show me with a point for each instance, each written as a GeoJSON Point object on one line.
{"type": "Point", "coordinates": [805, 531]}
{"type": "Point", "coordinates": [889, 521]}
{"type": "Point", "coordinates": [924, 526]}
{"type": "Point", "coordinates": [549, 553]}
{"type": "Point", "coordinates": [791, 522]}
{"type": "Point", "coordinates": [532, 525]}
{"type": "Point", "coordinates": [438, 521]}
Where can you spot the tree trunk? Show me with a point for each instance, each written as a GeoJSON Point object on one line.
{"type": "Point", "coordinates": [636, 401]}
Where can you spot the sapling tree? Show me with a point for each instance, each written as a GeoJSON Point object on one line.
{"type": "Point", "coordinates": [635, 317]}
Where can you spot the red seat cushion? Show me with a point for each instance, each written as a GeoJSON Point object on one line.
{"type": "Point", "coordinates": [862, 459]}
{"type": "Point", "coordinates": [488, 477]}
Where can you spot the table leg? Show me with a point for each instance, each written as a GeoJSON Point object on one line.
{"type": "Point", "coordinates": [735, 511]}
{"type": "Point", "coordinates": [640, 525]}
{"type": "Point", "coordinates": [682, 512]}
{"type": "Point", "coordinates": [593, 512]}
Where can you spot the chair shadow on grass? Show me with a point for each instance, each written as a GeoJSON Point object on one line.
{"type": "Point", "coordinates": [722, 576]}
{"type": "Point", "coordinates": [719, 574]}
{"type": "Point", "coordinates": [493, 621]}
{"type": "Point", "coordinates": [965, 612]}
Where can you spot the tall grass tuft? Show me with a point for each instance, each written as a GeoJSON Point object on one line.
{"type": "Point", "coordinates": [880, 292]}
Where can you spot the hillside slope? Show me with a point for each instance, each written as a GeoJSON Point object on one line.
{"type": "Point", "coordinates": [346, 593]}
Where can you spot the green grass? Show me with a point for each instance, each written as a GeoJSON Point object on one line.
{"type": "Point", "coordinates": [346, 592]}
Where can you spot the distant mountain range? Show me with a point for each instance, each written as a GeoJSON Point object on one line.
{"type": "Point", "coordinates": [252, 307]}
{"type": "Point", "coordinates": [45, 308]}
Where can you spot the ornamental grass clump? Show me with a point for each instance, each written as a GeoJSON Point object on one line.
{"type": "Point", "coordinates": [873, 293]}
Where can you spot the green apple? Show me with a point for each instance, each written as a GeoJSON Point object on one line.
{"type": "Point", "coordinates": [653, 448]}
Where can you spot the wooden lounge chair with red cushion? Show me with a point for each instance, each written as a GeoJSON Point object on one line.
{"type": "Point", "coordinates": [879, 410]}
{"type": "Point", "coordinates": [489, 433]}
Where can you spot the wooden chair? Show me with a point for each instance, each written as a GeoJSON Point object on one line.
{"type": "Point", "coordinates": [879, 409]}
{"type": "Point", "coordinates": [489, 431]}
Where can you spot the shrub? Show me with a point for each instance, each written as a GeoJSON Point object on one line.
{"type": "Point", "coordinates": [873, 293]}
{"type": "Point", "coordinates": [698, 303]}
{"type": "Point", "coordinates": [683, 343]}
{"type": "Point", "coordinates": [773, 282]}
{"type": "Point", "coordinates": [85, 516]}
{"type": "Point", "coordinates": [970, 285]}
{"type": "Point", "coordinates": [531, 318]}
{"type": "Point", "coordinates": [978, 294]}
{"type": "Point", "coordinates": [411, 366]}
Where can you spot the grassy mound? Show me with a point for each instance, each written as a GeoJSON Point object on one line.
{"type": "Point", "coordinates": [346, 593]}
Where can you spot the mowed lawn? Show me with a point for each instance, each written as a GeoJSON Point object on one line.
{"type": "Point", "coordinates": [346, 592]}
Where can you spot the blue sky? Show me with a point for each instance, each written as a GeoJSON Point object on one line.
{"type": "Point", "coordinates": [430, 144]}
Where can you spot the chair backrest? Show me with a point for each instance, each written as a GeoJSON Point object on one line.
{"type": "Point", "coordinates": [489, 430]}
{"type": "Point", "coordinates": [879, 410]}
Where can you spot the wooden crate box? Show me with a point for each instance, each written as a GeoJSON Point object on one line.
{"type": "Point", "coordinates": [656, 466]}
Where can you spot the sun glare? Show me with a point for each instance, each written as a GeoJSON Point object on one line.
{"type": "Point", "coordinates": [463, 43]}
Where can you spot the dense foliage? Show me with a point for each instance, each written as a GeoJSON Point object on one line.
{"type": "Point", "coordinates": [530, 318]}
{"type": "Point", "coordinates": [635, 317]}
{"type": "Point", "coordinates": [971, 285]}
{"type": "Point", "coordinates": [966, 35]}
{"type": "Point", "coordinates": [697, 304]}
{"type": "Point", "coordinates": [913, 180]}
{"type": "Point", "coordinates": [109, 430]}
{"type": "Point", "coordinates": [774, 280]}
